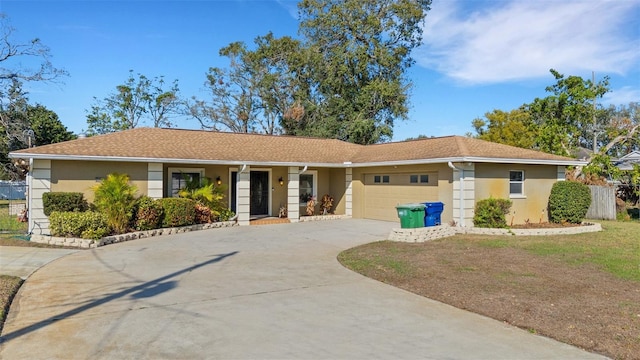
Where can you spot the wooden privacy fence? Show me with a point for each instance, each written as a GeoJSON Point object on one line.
{"type": "Point", "coordinates": [603, 203]}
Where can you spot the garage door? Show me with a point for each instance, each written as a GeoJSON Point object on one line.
{"type": "Point", "coordinates": [382, 192]}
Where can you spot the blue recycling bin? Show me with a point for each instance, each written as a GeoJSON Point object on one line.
{"type": "Point", "coordinates": [432, 213]}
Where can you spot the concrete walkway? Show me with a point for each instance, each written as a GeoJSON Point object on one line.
{"type": "Point", "coordinates": [23, 261]}
{"type": "Point", "coordinates": [252, 292]}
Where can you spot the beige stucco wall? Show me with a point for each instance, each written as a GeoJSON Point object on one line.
{"type": "Point", "coordinates": [337, 190]}
{"type": "Point", "coordinates": [278, 193]}
{"type": "Point", "coordinates": [80, 176]}
{"type": "Point", "coordinates": [443, 192]}
{"type": "Point", "coordinates": [492, 180]}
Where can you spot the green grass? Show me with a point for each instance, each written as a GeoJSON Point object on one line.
{"type": "Point", "coordinates": [386, 262]}
{"type": "Point", "coordinates": [11, 224]}
{"type": "Point", "coordinates": [616, 249]}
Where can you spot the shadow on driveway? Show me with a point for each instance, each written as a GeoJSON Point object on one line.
{"type": "Point", "coordinates": [144, 290]}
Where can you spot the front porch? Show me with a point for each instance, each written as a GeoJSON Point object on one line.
{"type": "Point", "coordinates": [262, 194]}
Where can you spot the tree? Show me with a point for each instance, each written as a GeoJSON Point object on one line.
{"type": "Point", "coordinates": [363, 50]}
{"type": "Point", "coordinates": [13, 126]}
{"type": "Point", "coordinates": [621, 130]}
{"type": "Point", "coordinates": [513, 128]}
{"type": "Point", "coordinates": [14, 122]}
{"type": "Point", "coordinates": [234, 93]}
{"type": "Point", "coordinates": [565, 119]}
{"type": "Point", "coordinates": [25, 125]}
{"type": "Point", "coordinates": [13, 53]}
{"type": "Point", "coordinates": [257, 91]}
{"type": "Point", "coordinates": [344, 79]}
{"type": "Point", "coordinates": [46, 126]}
{"type": "Point", "coordinates": [135, 101]}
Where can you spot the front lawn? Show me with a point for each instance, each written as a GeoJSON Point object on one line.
{"type": "Point", "coordinates": [579, 289]}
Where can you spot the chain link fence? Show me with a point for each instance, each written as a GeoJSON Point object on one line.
{"type": "Point", "coordinates": [13, 195]}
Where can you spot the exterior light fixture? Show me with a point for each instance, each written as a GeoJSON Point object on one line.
{"type": "Point", "coordinates": [281, 181]}
{"type": "Point", "coordinates": [218, 180]}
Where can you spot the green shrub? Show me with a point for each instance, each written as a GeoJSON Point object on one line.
{"type": "Point", "coordinates": [225, 214]}
{"type": "Point", "coordinates": [115, 197]}
{"type": "Point", "coordinates": [63, 201]}
{"type": "Point", "coordinates": [569, 202]}
{"type": "Point", "coordinates": [86, 225]}
{"type": "Point", "coordinates": [178, 212]}
{"type": "Point", "coordinates": [490, 213]}
{"type": "Point", "coordinates": [206, 193]}
{"type": "Point", "coordinates": [147, 213]}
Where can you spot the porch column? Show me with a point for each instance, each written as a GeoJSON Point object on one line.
{"type": "Point", "coordinates": [293, 194]}
{"type": "Point", "coordinates": [464, 194]}
{"type": "Point", "coordinates": [348, 193]}
{"type": "Point", "coordinates": [154, 180]}
{"type": "Point", "coordinates": [40, 183]}
{"type": "Point", "coordinates": [244, 200]}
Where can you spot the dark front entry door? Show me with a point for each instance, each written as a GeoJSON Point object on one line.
{"type": "Point", "coordinates": [259, 192]}
{"type": "Point", "coordinates": [234, 193]}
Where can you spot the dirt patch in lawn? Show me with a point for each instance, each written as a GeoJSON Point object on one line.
{"type": "Point", "coordinates": [576, 304]}
{"type": "Point", "coordinates": [544, 225]}
{"type": "Point", "coordinates": [9, 286]}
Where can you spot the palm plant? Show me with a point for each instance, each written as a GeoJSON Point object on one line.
{"type": "Point", "coordinates": [115, 197]}
{"type": "Point", "coordinates": [205, 193]}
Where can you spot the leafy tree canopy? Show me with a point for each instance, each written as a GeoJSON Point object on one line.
{"type": "Point", "coordinates": [139, 100]}
{"type": "Point", "coordinates": [15, 111]}
{"type": "Point", "coordinates": [568, 120]}
{"type": "Point", "coordinates": [344, 79]}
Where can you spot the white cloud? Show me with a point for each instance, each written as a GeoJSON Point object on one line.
{"type": "Point", "coordinates": [291, 6]}
{"type": "Point", "coordinates": [506, 40]}
{"type": "Point", "coordinates": [622, 96]}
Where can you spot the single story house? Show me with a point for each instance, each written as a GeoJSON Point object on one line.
{"type": "Point", "coordinates": [626, 162]}
{"type": "Point", "coordinates": [264, 173]}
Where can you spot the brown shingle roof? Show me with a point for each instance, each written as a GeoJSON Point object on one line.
{"type": "Point", "coordinates": [175, 144]}
{"type": "Point", "coordinates": [448, 147]}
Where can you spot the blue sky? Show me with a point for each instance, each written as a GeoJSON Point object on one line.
{"type": "Point", "coordinates": [476, 55]}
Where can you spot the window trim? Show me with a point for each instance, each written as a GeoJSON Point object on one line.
{"type": "Point", "coordinates": [314, 174]}
{"type": "Point", "coordinates": [521, 194]}
{"type": "Point", "coordinates": [178, 170]}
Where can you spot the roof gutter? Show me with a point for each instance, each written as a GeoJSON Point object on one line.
{"type": "Point", "coordinates": [568, 162]}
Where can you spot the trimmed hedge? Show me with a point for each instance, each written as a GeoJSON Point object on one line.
{"type": "Point", "coordinates": [63, 202]}
{"type": "Point", "coordinates": [147, 213]}
{"type": "Point", "coordinates": [490, 213]}
{"type": "Point", "coordinates": [569, 202]}
{"type": "Point", "coordinates": [178, 212]}
{"type": "Point", "coordinates": [86, 225]}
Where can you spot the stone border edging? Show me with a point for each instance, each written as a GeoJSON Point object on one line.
{"type": "Point", "coordinates": [421, 234]}
{"type": "Point", "coordinates": [585, 228]}
{"type": "Point", "coordinates": [323, 217]}
{"type": "Point", "coordinates": [91, 244]}
{"type": "Point", "coordinates": [438, 232]}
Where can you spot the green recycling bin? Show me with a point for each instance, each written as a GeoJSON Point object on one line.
{"type": "Point", "coordinates": [411, 215]}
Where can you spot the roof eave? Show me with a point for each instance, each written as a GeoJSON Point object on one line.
{"type": "Point", "coordinates": [471, 159]}
{"type": "Point", "coordinates": [167, 160]}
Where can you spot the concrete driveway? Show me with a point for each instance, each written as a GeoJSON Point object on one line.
{"type": "Point", "coordinates": [272, 291]}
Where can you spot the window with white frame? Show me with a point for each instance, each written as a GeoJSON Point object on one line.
{"type": "Point", "coordinates": [308, 186]}
{"type": "Point", "coordinates": [516, 183]}
{"type": "Point", "coordinates": [179, 177]}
